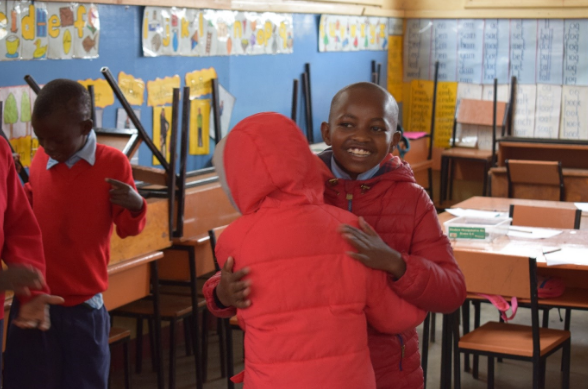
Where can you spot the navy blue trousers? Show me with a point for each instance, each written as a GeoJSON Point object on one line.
{"type": "Point", "coordinates": [73, 354]}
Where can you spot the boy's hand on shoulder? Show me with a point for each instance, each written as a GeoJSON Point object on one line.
{"type": "Point", "coordinates": [20, 279]}
{"type": "Point", "coordinates": [232, 291]}
{"type": "Point", "coordinates": [17, 164]}
{"type": "Point", "coordinates": [35, 313]}
{"type": "Point", "coordinates": [372, 251]}
{"type": "Point", "coordinates": [125, 195]}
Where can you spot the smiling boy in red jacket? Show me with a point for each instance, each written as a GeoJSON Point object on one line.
{"type": "Point", "coordinates": [78, 189]}
{"type": "Point", "coordinates": [406, 240]}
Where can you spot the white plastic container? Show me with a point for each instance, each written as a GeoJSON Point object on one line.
{"type": "Point", "coordinates": [477, 229]}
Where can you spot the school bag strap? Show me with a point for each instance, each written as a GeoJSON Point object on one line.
{"type": "Point", "coordinates": [502, 305]}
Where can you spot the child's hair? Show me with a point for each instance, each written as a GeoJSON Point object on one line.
{"type": "Point", "coordinates": [64, 94]}
{"type": "Point", "coordinates": [391, 102]}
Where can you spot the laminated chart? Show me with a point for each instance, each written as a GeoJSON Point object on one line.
{"type": "Point", "coordinates": [550, 44]}
{"type": "Point", "coordinates": [548, 108]}
{"type": "Point", "coordinates": [524, 111]}
{"type": "Point", "coordinates": [445, 113]}
{"type": "Point", "coordinates": [575, 65]}
{"type": "Point", "coordinates": [523, 50]}
{"type": "Point", "coordinates": [470, 41]}
{"type": "Point", "coordinates": [417, 49]}
{"type": "Point", "coordinates": [443, 49]}
{"type": "Point", "coordinates": [502, 95]}
{"type": "Point", "coordinates": [574, 112]}
{"type": "Point", "coordinates": [200, 32]}
{"type": "Point", "coordinates": [496, 51]}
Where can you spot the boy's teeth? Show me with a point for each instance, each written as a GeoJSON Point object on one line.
{"type": "Point", "coordinates": [359, 152]}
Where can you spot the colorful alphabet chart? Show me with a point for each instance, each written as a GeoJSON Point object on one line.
{"type": "Point", "coordinates": [354, 33]}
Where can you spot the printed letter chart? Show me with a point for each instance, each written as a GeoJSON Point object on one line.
{"type": "Point", "coordinates": [444, 48]}
{"type": "Point", "coordinates": [417, 43]}
{"type": "Point", "coordinates": [574, 112]}
{"type": "Point", "coordinates": [548, 109]}
{"type": "Point", "coordinates": [550, 42]}
{"type": "Point", "coordinates": [523, 50]}
{"type": "Point", "coordinates": [470, 39]}
{"type": "Point", "coordinates": [496, 51]}
{"type": "Point", "coordinates": [575, 66]}
{"type": "Point", "coordinates": [524, 111]}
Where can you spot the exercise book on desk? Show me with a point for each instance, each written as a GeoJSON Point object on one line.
{"type": "Point", "coordinates": [459, 212]}
{"type": "Point", "coordinates": [567, 256]}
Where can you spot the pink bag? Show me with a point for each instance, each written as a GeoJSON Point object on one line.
{"type": "Point", "coordinates": [502, 305]}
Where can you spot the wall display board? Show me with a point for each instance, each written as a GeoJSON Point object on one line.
{"type": "Point", "coordinates": [353, 33]}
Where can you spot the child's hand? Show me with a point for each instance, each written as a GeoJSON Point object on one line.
{"type": "Point", "coordinates": [20, 279]}
{"type": "Point", "coordinates": [372, 251]}
{"type": "Point", "coordinates": [35, 313]}
{"type": "Point", "coordinates": [124, 195]}
{"type": "Point", "coordinates": [231, 291]}
{"type": "Point", "coordinates": [17, 164]}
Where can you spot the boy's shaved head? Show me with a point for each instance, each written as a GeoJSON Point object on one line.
{"type": "Point", "coordinates": [389, 101]}
{"type": "Point", "coordinates": [63, 94]}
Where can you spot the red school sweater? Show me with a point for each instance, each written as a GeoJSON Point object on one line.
{"type": "Point", "coordinates": [75, 215]}
{"type": "Point", "coordinates": [20, 237]}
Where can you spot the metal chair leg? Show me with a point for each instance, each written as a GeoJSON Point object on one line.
{"type": "Point", "coordinates": [139, 347]}
{"type": "Point", "coordinates": [127, 362]}
{"type": "Point", "coordinates": [425, 347]}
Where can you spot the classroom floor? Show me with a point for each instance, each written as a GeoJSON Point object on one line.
{"type": "Point", "coordinates": [508, 374]}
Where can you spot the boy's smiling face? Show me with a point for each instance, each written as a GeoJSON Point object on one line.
{"type": "Point", "coordinates": [361, 128]}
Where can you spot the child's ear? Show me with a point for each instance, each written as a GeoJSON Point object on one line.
{"type": "Point", "coordinates": [395, 139]}
{"type": "Point", "coordinates": [87, 126]}
{"type": "Point", "coordinates": [326, 133]}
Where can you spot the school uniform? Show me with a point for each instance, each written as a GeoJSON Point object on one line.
{"type": "Point", "coordinates": [71, 202]}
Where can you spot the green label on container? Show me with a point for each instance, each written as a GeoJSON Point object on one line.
{"type": "Point", "coordinates": [467, 233]}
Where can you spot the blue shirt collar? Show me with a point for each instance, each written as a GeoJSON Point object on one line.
{"type": "Point", "coordinates": [340, 173]}
{"type": "Point", "coordinates": [87, 153]}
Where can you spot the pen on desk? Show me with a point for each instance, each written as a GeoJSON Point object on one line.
{"type": "Point", "coordinates": [519, 230]}
{"type": "Point", "coordinates": [551, 251]}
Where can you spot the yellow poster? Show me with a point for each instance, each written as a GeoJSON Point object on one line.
{"type": "Point", "coordinates": [199, 127]}
{"type": "Point", "coordinates": [395, 84]}
{"type": "Point", "coordinates": [23, 147]}
{"type": "Point", "coordinates": [162, 118]}
{"type": "Point", "coordinates": [406, 106]}
{"type": "Point", "coordinates": [199, 82]}
{"type": "Point", "coordinates": [445, 112]}
{"type": "Point", "coordinates": [421, 105]}
{"type": "Point", "coordinates": [161, 90]}
{"type": "Point", "coordinates": [103, 95]}
{"type": "Point", "coordinates": [133, 88]}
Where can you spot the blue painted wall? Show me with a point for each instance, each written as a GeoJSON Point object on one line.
{"type": "Point", "coordinates": [259, 83]}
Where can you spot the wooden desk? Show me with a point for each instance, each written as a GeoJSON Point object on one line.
{"type": "Point", "coordinates": [500, 204]}
{"type": "Point", "coordinates": [571, 153]}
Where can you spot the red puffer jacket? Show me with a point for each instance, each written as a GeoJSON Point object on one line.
{"type": "Point", "coordinates": [307, 325]}
{"type": "Point", "coordinates": [404, 216]}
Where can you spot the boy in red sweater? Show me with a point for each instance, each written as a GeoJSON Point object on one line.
{"type": "Point", "coordinates": [22, 250]}
{"type": "Point", "coordinates": [78, 189]}
{"type": "Point", "coordinates": [362, 176]}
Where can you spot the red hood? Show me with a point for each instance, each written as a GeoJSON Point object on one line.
{"type": "Point", "coordinates": [267, 162]}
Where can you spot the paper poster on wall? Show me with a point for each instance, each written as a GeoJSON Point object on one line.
{"type": "Point", "coordinates": [574, 113]}
{"type": "Point", "coordinates": [103, 95]}
{"type": "Point", "coordinates": [469, 91]}
{"type": "Point", "coordinates": [496, 51]}
{"type": "Point", "coordinates": [351, 33]}
{"type": "Point", "coordinates": [550, 48]}
{"type": "Point", "coordinates": [503, 92]}
{"type": "Point", "coordinates": [395, 26]}
{"type": "Point", "coordinates": [421, 105]}
{"type": "Point", "coordinates": [162, 117]}
{"type": "Point", "coordinates": [132, 88]}
{"type": "Point", "coordinates": [199, 82]}
{"type": "Point", "coordinates": [575, 65]}
{"type": "Point", "coordinates": [470, 41]}
{"type": "Point", "coordinates": [199, 123]}
{"type": "Point", "coordinates": [406, 106]}
{"type": "Point", "coordinates": [86, 31]}
{"type": "Point", "coordinates": [60, 27]}
{"type": "Point", "coordinates": [16, 120]}
{"type": "Point", "coordinates": [161, 90]}
{"type": "Point", "coordinates": [417, 47]}
{"type": "Point", "coordinates": [443, 49]}
{"type": "Point", "coordinates": [548, 108]}
{"type": "Point", "coordinates": [445, 113]}
{"type": "Point", "coordinates": [523, 50]}
{"type": "Point", "coordinates": [524, 111]}
{"type": "Point", "coordinates": [11, 46]}
{"type": "Point", "coordinates": [123, 121]}
{"type": "Point", "coordinates": [34, 40]}
{"type": "Point", "coordinates": [395, 83]}
{"type": "Point", "coordinates": [226, 102]}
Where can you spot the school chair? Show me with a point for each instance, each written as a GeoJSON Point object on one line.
{"type": "Point", "coordinates": [121, 336]}
{"type": "Point", "coordinates": [539, 180]}
{"type": "Point", "coordinates": [227, 325]}
{"type": "Point", "coordinates": [508, 276]}
{"type": "Point", "coordinates": [419, 164]}
{"type": "Point", "coordinates": [545, 217]}
{"type": "Point", "coordinates": [470, 115]}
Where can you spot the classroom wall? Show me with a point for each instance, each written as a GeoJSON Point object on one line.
{"type": "Point", "coordinates": [259, 83]}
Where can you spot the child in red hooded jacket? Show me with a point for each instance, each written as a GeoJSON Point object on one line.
{"type": "Point", "coordinates": [406, 240]}
{"type": "Point", "coordinates": [307, 327]}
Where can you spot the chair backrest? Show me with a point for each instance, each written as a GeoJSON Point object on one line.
{"type": "Point", "coordinates": [479, 112]}
{"type": "Point", "coordinates": [491, 273]}
{"type": "Point", "coordinates": [214, 234]}
{"type": "Point", "coordinates": [545, 217]}
{"type": "Point", "coordinates": [527, 172]}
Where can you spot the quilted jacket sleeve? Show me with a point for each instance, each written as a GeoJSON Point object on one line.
{"type": "Point", "coordinates": [387, 312]}
{"type": "Point", "coordinates": [208, 290]}
{"type": "Point", "coordinates": [432, 281]}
